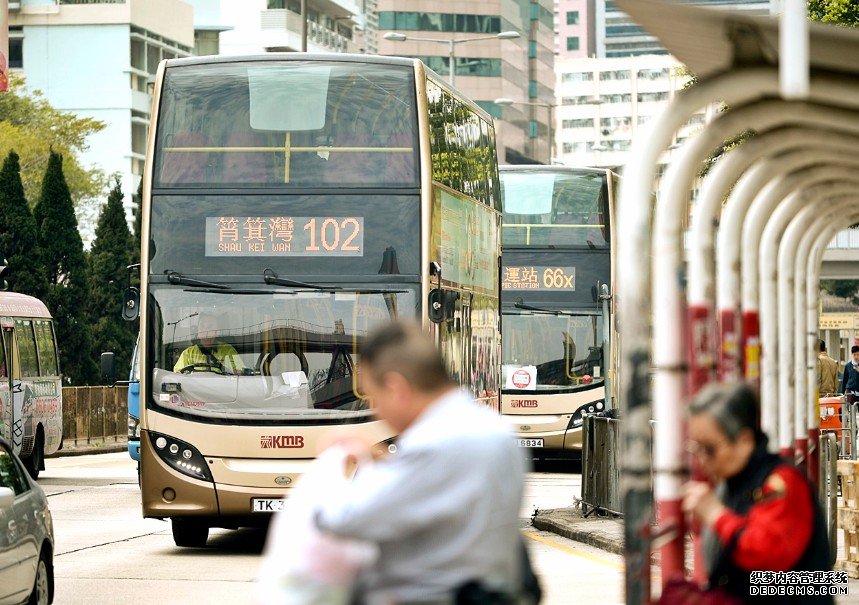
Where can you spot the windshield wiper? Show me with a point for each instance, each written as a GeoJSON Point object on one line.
{"type": "Point", "coordinates": [524, 307]}
{"type": "Point", "coordinates": [271, 278]}
{"type": "Point", "coordinates": [177, 278]}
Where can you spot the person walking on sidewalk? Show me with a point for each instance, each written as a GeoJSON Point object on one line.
{"type": "Point", "coordinates": [827, 372]}
{"type": "Point", "coordinates": [850, 379]}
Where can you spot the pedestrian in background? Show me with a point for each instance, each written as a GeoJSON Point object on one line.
{"type": "Point", "coordinates": [827, 371]}
{"type": "Point", "coordinates": [444, 509]}
{"type": "Point", "coordinates": [850, 378]}
{"type": "Point", "coordinates": [764, 515]}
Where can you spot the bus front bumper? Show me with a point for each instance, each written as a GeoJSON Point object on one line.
{"type": "Point", "coordinates": [552, 432]}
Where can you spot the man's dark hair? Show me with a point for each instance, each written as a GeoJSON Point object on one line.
{"type": "Point", "coordinates": [405, 349]}
{"type": "Point", "coordinates": [734, 407]}
{"type": "Point", "coordinates": [854, 349]}
{"type": "Point", "coordinates": [821, 346]}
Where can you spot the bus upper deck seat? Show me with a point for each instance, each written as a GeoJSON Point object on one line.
{"type": "Point", "coordinates": [248, 166]}
{"type": "Point", "coordinates": [185, 166]}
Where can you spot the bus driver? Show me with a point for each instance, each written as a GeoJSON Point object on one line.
{"type": "Point", "coordinates": [209, 355]}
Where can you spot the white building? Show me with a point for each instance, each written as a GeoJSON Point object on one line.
{"type": "Point", "coordinates": [602, 105]}
{"type": "Point", "coordinates": [95, 59]}
{"type": "Point", "coordinates": [275, 25]}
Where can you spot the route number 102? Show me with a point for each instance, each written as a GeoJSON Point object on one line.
{"type": "Point", "coordinates": [335, 234]}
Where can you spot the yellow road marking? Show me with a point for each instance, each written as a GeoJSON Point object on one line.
{"type": "Point", "coordinates": [571, 550]}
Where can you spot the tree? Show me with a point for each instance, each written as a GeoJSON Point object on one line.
{"type": "Point", "coordinates": [109, 258]}
{"type": "Point", "coordinates": [18, 234]}
{"type": "Point", "coordinates": [30, 124]}
{"type": "Point", "coordinates": [68, 296]}
{"type": "Point", "coordinates": [839, 12]}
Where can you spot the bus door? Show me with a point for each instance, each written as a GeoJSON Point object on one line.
{"type": "Point", "coordinates": [6, 407]}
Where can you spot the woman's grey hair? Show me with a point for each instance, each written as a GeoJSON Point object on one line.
{"type": "Point", "coordinates": [734, 407]}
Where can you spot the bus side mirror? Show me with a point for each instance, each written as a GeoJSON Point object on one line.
{"type": "Point", "coordinates": [108, 367]}
{"type": "Point", "coordinates": [131, 304]}
{"type": "Point", "coordinates": [436, 308]}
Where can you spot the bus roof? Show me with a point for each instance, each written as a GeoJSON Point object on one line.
{"type": "Point", "coordinates": [328, 57]}
{"type": "Point", "coordinates": [15, 304]}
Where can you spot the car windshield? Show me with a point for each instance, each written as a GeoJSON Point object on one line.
{"type": "Point", "coordinates": [565, 350]}
{"type": "Point", "coordinates": [281, 355]}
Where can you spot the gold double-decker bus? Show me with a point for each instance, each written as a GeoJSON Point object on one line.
{"type": "Point", "coordinates": [291, 202]}
{"type": "Point", "coordinates": [556, 298]}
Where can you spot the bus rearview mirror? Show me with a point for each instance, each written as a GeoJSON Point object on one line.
{"type": "Point", "coordinates": [131, 304]}
{"type": "Point", "coordinates": [435, 306]}
{"type": "Point", "coordinates": [108, 367]}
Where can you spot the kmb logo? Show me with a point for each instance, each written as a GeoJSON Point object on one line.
{"type": "Point", "coordinates": [523, 403]}
{"type": "Point", "coordinates": [281, 441]}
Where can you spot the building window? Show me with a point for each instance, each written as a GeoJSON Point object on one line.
{"type": "Point", "coordinates": [581, 76]}
{"type": "Point", "coordinates": [572, 17]}
{"type": "Point", "coordinates": [615, 75]}
{"type": "Point", "coordinates": [616, 98]}
{"type": "Point", "coordinates": [652, 74]}
{"type": "Point", "coordinates": [583, 100]}
{"type": "Point", "coordinates": [439, 22]}
{"type": "Point", "coordinates": [568, 148]}
{"type": "Point", "coordinates": [532, 49]}
{"type": "Point", "coordinates": [618, 123]}
{"type": "Point", "coordinates": [532, 129]}
{"type": "Point", "coordinates": [532, 89]}
{"type": "Point", "coordinates": [573, 43]}
{"type": "Point", "coordinates": [652, 97]}
{"type": "Point", "coordinates": [205, 43]}
{"type": "Point", "coordinates": [16, 49]}
{"type": "Point", "coordinates": [584, 123]}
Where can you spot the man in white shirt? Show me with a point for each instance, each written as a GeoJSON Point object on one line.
{"type": "Point", "coordinates": [444, 509]}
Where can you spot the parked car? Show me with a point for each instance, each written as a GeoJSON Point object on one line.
{"type": "Point", "coordinates": [26, 536]}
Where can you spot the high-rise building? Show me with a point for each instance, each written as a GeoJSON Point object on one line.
{"type": "Point", "coordinates": [96, 60]}
{"type": "Point", "coordinates": [575, 28]}
{"type": "Point", "coordinates": [619, 36]}
{"type": "Point", "coordinates": [604, 103]}
{"type": "Point", "coordinates": [520, 69]}
{"type": "Point", "coordinates": [275, 26]}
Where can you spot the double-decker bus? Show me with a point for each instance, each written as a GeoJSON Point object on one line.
{"type": "Point", "coordinates": [292, 202]}
{"type": "Point", "coordinates": [134, 405]}
{"type": "Point", "coordinates": [557, 321]}
{"type": "Point", "coordinates": [31, 392]}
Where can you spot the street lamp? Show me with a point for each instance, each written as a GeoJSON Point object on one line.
{"type": "Point", "coordinates": [550, 106]}
{"type": "Point", "coordinates": [398, 37]}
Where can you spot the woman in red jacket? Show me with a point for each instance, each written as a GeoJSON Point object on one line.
{"type": "Point", "coordinates": [763, 516]}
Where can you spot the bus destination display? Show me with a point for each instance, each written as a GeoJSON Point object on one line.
{"type": "Point", "coordinates": [539, 278]}
{"type": "Point", "coordinates": [284, 236]}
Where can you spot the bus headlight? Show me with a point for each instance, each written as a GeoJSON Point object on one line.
{"type": "Point", "coordinates": [133, 428]}
{"type": "Point", "coordinates": [180, 456]}
{"type": "Point", "coordinates": [577, 419]}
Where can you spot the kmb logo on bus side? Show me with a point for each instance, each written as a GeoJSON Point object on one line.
{"type": "Point", "coordinates": [281, 441]}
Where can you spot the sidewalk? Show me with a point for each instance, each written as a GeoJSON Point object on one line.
{"type": "Point", "coordinates": [70, 448]}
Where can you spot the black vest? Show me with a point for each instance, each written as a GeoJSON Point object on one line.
{"type": "Point", "coordinates": [737, 493]}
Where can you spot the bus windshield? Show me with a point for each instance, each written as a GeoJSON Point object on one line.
{"type": "Point", "coordinates": [279, 356]}
{"type": "Point", "coordinates": [544, 208]}
{"type": "Point", "coordinates": [287, 124]}
{"type": "Point", "coordinates": [566, 349]}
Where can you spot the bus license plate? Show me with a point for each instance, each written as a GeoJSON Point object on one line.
{"type": "Point", "coordinates": [267, 505]}
{"type": "Point", "coordinates": [530, 442]}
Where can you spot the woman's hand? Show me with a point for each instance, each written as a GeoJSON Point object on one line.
{"type": "Point", "coordinates": [699, 499]}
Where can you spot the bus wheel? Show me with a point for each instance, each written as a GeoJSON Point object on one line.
{"type": "Point", "coordinates": [190, 532]}
{"type": "Point", "coordinates": [35, 462]}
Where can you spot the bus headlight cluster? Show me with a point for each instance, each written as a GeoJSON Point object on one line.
{"type": "Point", "coordinates": [133, 428]}
{"type": "Point", "coordinates": [594, 407]}
{"type": "Point", "coordinates": [180, 456]}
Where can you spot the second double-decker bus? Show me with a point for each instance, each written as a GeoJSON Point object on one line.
{"type": "Point", "coordinates": [556, 283]}
{"type": "Point", "coordinates": [291, 203]}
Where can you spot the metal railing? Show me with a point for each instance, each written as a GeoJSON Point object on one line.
{"type": "Point", "coordinates": [845, 240]}
{"type": "Point", "coordinates": [829, 488]}
{"type": "Point", "coordinates": [600, 465]}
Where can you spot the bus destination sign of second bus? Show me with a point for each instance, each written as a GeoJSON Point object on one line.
{"type": "Point", "coordinates": [539, 278]}
{"type": "Point", "coordinates": [284, 236]}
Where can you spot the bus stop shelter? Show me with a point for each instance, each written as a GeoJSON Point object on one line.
{"type": "Point", "coordinates": [725, 288]}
